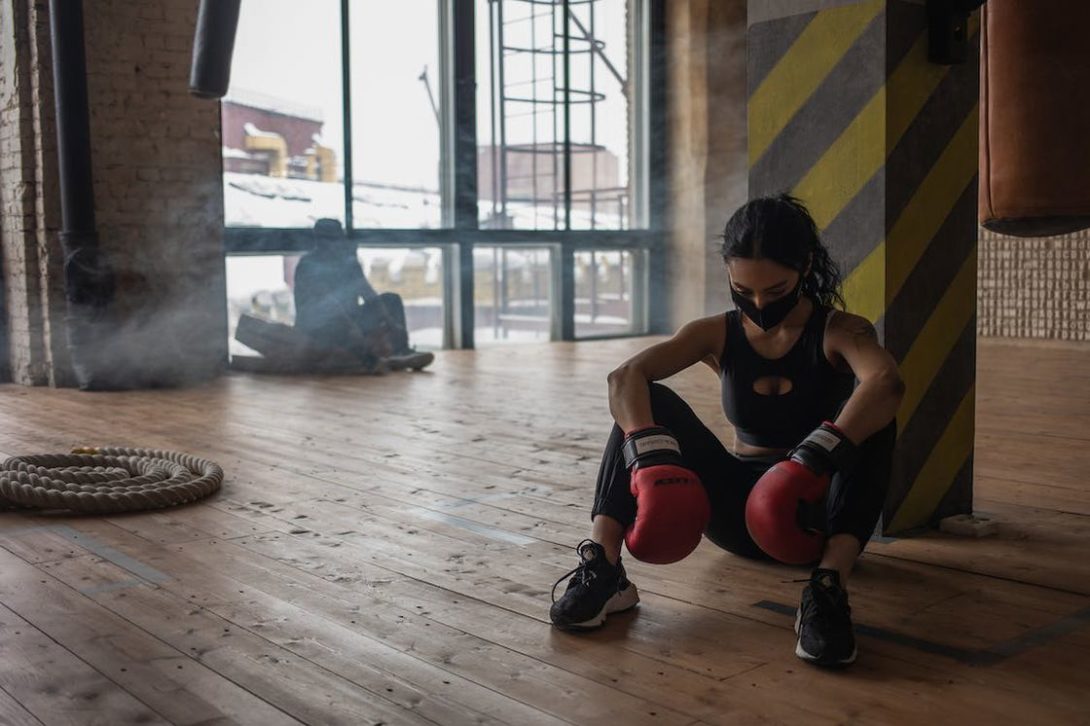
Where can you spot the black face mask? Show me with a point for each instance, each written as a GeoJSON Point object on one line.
{"type": "Point", "coordinates": [771, 314]}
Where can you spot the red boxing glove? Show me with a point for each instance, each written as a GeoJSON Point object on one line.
{"type": "Point", "coordinates": [672, 509]}
{"type": "Point", "coordinates": [785, 512]}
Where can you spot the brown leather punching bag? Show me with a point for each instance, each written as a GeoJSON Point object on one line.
{"type": "Point", "coordinates": [1035, 117]}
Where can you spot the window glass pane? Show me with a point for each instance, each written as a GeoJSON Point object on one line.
{"type": "Point", "coordinates": [511, 294]}
{"type": "Point", "coordinates": [283, 147]}
{"type": "Point", "coordinates": [599, 115]}
{"type": "Point", "coordinates": [416, 274]}
{"type": "Point", "coordinates": [257, 285]}
{"type": "Point", "coordinates": [603, 292]}
{"type": "Point", "coordinates": [396, 107]}
{"type": "Point", "coordinates": [521, 114]}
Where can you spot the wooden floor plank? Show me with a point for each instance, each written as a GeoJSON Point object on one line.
{"type": "Point", "coordinates": [1014, 553]}
{"type": "Point", "coordinates": [299, 636]}
{"type": "Point", "coordinates": [307, 692]}
{"type": "Point", "coordinates": [980, 614]}
{"type": "Point", "coordinates": [54, 685]}
{"type": "Point", "coordinates": [13, 713]}
{"type": "Point", "coordinates": [376, 537]}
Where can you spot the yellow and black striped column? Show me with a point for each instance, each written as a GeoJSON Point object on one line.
{"type": "Point", "coordinates": [846, 112]}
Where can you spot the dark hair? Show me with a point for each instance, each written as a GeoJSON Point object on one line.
{"type": "Point", "coordinates": [780, 229]}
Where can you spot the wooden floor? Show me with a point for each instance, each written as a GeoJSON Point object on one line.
{"type": "Point", "coordinates": [383, 548]}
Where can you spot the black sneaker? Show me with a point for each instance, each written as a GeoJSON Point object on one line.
{"type": "Point", "coordinates": [824, 623]}
{"type": "Point", "coordinates": [595, 590]}
{"type": "Point", "coordinates": [414, 359]}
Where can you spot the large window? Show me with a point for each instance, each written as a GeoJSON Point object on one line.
{"type": "Point", "coordinates": [396, 114]}
{"type": "Point", "coordinates": [553, 128]}
{"type": "Point", "coordinates": [496, 147]}
{"type": "Point", "coordinates": [282, 120]}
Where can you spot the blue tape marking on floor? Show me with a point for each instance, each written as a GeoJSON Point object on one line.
{"type": "Point", "coordinates": [122, 560]}
{"type": "Point", "coordinates": [482, 529]}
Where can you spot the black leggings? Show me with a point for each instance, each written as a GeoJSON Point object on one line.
{"type": "Point", "coordinates": [386, 308]}
{"type": "Point", "coordinates": [853, 506]}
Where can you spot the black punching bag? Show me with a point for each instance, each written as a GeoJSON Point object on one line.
{"type": "Point", "coordinates": [1035, 117]}
{"type": "Point", "coordinates": [213, 44]}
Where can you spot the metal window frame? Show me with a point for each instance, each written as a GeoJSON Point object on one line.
{"type": "Point", "coordinates": [458, 185]}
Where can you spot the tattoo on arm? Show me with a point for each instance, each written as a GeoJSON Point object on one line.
{"type": "Point", "coordinates": [862, 331]}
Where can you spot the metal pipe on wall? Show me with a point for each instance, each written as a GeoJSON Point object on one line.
{"type": "Point", "coordinates": [88, 280]}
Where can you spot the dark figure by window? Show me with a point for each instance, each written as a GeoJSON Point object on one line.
{"type": "Point", "coordinates": [337, 306]}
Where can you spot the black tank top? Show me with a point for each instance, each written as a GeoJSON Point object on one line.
{"type": "Point", "coordinates": [781, 421]}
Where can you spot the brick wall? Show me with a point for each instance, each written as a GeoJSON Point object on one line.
{"type": "Point", "coordinates": [158, 195]}
{"type": "Point", "coordinates": [33, 291]}
{"type": "Point", "coordinates": [1034, 287]}
{"type": "Point", "coordinates": [16, 190]}
{"type": "Point", "coordinates": [157, 165]}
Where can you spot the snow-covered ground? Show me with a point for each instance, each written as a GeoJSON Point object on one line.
{"type": "Point", "coordinates": [252, 200]}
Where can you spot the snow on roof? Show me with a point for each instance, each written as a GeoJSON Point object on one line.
{"type": "Point", "coordinates": [252, 200]}
{"type": "Point", "coordinates": [252, 130]}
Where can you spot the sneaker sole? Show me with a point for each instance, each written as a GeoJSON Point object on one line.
{"type": "Point", "coordinates": [413, 361]}
{"type": "Point", "coordinates": [801, 652]}
{"type": "Point", "coordinates": [617, 604]}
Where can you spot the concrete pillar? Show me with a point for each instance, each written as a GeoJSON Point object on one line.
{"type": "Point", "coordinates": [847, 113]}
